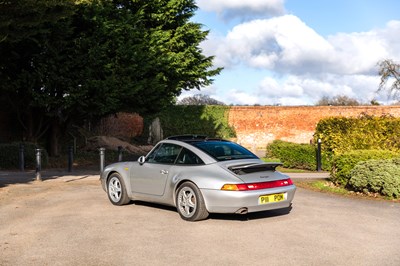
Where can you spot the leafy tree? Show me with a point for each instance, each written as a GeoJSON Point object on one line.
{"type": "Point", "coordinates": [374, 102]}
{"type": "Point", "coordinates": [389, 71]}
{"type": "Point", "coordinates": [22, 20]}
{"type": "Point", "coordinates": [88, 59]}
{"type": "Point", "coordinates": [199, 99]}
{"type": "Point", "coordinates": [339, 100]}
{"type": "Point", "coordinates": [27, 30]}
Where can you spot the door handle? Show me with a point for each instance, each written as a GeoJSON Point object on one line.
{"type": "Point", "coordinates": [164, 172]}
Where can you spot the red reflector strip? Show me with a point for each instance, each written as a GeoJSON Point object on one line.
{"type": "Point", "coordinates": [261, 185]}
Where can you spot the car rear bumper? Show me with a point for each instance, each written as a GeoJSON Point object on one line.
{"type": "Point", "coordinates": [219, 201]}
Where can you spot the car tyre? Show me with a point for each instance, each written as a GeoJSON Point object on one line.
{"type": "Point", "coordinates": [116, 190]}
{"type": "Point", "coordinates": [190, 203]}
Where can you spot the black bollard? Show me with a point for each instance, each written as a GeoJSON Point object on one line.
{"type": "Point", "coordinates": [21, 157]}
{"type": "Point", "coordinates": [319, 157]}
{"type": "Point", "coordinates": [70, 158]}
{"type": "Point", "coordinates": [38, 164]}
{"type": "Point", "coordinates": [119, 153]}
{"type": "Point", "coordinates": [102, 159]}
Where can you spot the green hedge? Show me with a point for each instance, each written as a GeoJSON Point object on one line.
{"type": "Point", "coordinates": [9, 156]}
{"type": "Point", "coordinates": [377, 176]}
{"type": "Point", "coordinates": [341, 134]}
{"type": "Point", "coordinates": [344, 163]}
{"type": "Point", "coordinates": [210, 120]}
{"type": "Point", "coordinates": [293, 155]}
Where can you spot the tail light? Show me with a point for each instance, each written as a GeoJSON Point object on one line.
{"type": "Point", "coordinates": [256, 186]}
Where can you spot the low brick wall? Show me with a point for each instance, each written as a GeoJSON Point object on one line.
{"type": "Point", "coordinates": [259, 125]}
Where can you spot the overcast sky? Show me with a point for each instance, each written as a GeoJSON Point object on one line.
{"type": "Point", "coordinates": [294, 52]}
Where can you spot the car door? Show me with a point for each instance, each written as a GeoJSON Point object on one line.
{"type": "Point", "coordinates": [151, 177]}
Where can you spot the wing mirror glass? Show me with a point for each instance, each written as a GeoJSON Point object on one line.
{"type": "Point", "coordinates": [142, 160]}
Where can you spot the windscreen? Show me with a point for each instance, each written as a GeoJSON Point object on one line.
{"type": "Point", "coordinates": [224, 150]}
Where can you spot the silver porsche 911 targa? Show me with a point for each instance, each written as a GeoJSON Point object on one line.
{"type": "Point", "coordinates": [199, 176]}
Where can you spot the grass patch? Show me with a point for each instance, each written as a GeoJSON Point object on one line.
{"type": "Point", "coordinates": [327, 186]}
{"type": "Point", "coordinates": [322, 185]}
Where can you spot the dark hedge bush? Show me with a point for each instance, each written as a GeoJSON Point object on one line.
{"type": "Point", "coordinates": [294, 155]}
{"type": "Point", "coordinates": [9, 156]}
{"type": "Point", "coordinates": [344, 163]}
{"type": "Point", "coordinates": [377, 176]}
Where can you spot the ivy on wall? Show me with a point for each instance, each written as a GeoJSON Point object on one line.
{"type": "Point", "coordinates": [210, 120]}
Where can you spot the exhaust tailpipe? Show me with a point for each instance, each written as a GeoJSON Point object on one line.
{"type": "Point", "coordinates": [242, 211]}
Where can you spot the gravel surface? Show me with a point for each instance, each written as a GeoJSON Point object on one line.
{"type": "Point", "coordinates": [68, 220]}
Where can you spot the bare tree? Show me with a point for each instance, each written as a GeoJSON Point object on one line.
{"type": "Point", "coordinates": [339, 100]}
{"type": "Point", "coordinates": [389, 70]}
{"type": "Point", "coordinates": [199, 99]}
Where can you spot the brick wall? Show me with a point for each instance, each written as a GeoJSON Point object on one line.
{"type": "Point", "coordinates": [259, 125]}
{"type": "Point", "coordinates": [255, 126]}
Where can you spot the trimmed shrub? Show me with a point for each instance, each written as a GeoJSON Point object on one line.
{"type": "Point", "coordinates": [9, 156]}
{"type": "Point", "coordinates": [377, 176]}
{"type": "Point", "coordinates": [294, 155]}
{"type": "Point", "coordinates": [342, 134]}
{"type": "Point", "coordinates": [344, 163]}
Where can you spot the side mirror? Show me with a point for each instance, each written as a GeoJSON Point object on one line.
{"type": "Point", "coordinates": [142, 160]}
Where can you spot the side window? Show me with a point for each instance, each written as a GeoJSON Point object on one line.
{"type": "Point", "coordinates": [150, 157]}
{"type": "Point", "coordinates": [187, 157]}
{"type": "Point", "coordinates": [165, 153]}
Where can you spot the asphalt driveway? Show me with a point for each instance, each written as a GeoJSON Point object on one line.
{"type": "Point", "coordinates": [68, 220]}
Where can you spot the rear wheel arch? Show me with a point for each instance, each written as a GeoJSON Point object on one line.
{"type": "Point", "coordinates": [179, 184]}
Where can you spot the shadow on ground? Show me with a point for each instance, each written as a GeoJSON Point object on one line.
{"type": "Point", "coordinates": [220, 216]}
{"type": "Point", "coordinates": [29, 176]}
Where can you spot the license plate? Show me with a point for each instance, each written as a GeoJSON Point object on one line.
{"type": "Point", "coordinates": [271, 198]}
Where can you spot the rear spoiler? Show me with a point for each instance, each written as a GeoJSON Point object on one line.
{"type": "Point", "coordinates": [251, 168]}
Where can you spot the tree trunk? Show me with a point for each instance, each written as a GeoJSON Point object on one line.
{"type": "Point", "coordinates": [29, 127]}
{"type": "Point", "coordinates": [54, 137]}
{"type": "Point", "coordinates": [33, 126]}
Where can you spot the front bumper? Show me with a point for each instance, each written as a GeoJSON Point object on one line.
{"type": "Point", "coordinates": [103, 180]}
